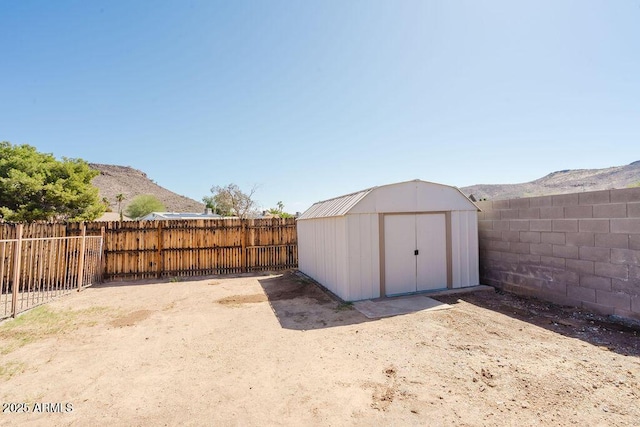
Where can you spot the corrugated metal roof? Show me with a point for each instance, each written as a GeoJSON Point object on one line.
{"type": "Point", "coordinates": [337, 206]}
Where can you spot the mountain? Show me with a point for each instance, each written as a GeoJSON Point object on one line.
{"type": "Point", "coordinates": [114, 180]}
{"type": "Point", "coordinates": [561, 182]}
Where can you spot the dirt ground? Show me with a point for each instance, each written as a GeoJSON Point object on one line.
{"type": "Point", "coordinates": [277, 350]}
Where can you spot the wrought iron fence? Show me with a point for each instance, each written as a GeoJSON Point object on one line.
{"type": "Point", "coordinates": [34, 271]}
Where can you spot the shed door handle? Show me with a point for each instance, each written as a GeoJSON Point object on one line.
{"type": "Point", "coordinates": [415, 252]}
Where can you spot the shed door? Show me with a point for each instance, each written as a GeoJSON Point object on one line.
{"type": "Point", "coordinates": [432, 252]}
{"type": "Point", "coordinates": [415, 253]}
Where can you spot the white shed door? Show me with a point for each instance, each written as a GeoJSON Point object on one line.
{"type": "Point", "coordinates": [415, 253]}
{"type": "Point", "coordinates": [432, 252]}
{"type": "Point", "coordinates": [399, 260]}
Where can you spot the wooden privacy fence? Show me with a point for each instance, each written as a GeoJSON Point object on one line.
{"type": "Point", "coordinates": [168, 248]}
{"type": "Point", "coordinates": [34, 270]}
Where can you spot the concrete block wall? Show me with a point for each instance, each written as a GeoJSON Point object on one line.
{"type": "Point", "coordinates": [580, 249]}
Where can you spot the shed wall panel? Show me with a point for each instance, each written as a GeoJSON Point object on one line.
{"type": "Point", "coordinates": [322, 252]}
{"type": "Point", "coordinates": [464, 249]}
{"type": "Point", "coordinates": [326, 236]}
{"type": "Point", "coordinates": [306, 247]}
{"type": "Point", "coordinates": [363, 256]}
{"type": "Point", "coordinates": [373, 288]}
{"type": "Point", "coordinates": [341, 264]}
{"type": "Point", "coordinates": [319, 241]}
{"type": "Point", "coordinates": [354, 249]}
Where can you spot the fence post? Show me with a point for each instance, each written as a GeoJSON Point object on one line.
{"type": "Point", "coordinates": [103, 258]}
{"type": "Point", "coordinates": [243, 245]}
{"type": "Point", "coordinates": [17, 258]}
{"type": "Point", "coordinates": [160, 254]}
{"type": "Point", "coordinates": [81, 256]}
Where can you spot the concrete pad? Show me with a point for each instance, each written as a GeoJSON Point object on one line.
{"type": "Point", "coordinates": [394, 306]}
{"type": "Point", "coordinates": [387, 307]}
{"type": "Point", "coordinates": [460, 290]}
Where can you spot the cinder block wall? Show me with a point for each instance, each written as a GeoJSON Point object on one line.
{"type": "Point", "coordinates": [580, 249]}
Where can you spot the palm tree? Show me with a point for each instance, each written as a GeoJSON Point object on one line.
{"type": "Point", "coordinates": [106, 204]}
{"type": "Point", "coordinates": [119, 199]}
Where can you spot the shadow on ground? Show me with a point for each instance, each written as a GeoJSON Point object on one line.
{"type": "Point", "coordinates": [615, 335]}
{"type": "Point", "coordinates": [300, 304]}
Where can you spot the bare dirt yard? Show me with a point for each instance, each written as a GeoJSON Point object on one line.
{"type": "Point", "coordinates": [277, 350]}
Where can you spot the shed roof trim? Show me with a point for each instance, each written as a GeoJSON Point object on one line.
{"type": "Point", "coordinates": [341, 205]}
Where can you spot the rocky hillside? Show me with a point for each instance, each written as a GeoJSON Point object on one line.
{"type": "Point", "coordinates": [561, 182]}
{"type": "Point", "coordinates": [114, 180]}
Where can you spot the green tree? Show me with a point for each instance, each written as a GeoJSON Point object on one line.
{"type": "Point", "coordinates": [36, 186]}
{"type": "Point", "coordinates": [119, 199]}
{"type": "Point", "coordinates": [143, 205]}
{"type": "Point", "coordinates": [210, 203]}
{"type": "Point", "coordinates": [232, 201]}
{"type": "Point", "coordinates": [107, 205]}
{"type": "Point", "coordinates": [279, 211]}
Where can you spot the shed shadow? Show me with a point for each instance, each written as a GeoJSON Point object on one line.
{"type": "Point", "coordinates": [616, 335]}
{"type": "Point", "coordinates": [301, 304]}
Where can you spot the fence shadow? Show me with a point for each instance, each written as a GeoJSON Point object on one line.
{"type": "Point", "coordinates": [301, 304]}
{"type": "Point", "coordinates": [114, 283]}
{"type": "Point", "coordinates": [619, 336]}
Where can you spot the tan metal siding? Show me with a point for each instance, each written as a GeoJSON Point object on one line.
{"type": "Point", "coordinates": [363, 256]}
{"type": "Point", "coordinates": [306, 248]}
{"type": "Point", "coordinates": [464, 248]}
{"type": "Point", "coordinates": [322, 252]}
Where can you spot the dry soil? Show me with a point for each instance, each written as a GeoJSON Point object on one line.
{"type": "Point", "coordinates": [277, 350]}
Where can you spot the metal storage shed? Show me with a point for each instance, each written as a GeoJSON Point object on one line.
{"type": "Point", "coordinates": [391, 240]}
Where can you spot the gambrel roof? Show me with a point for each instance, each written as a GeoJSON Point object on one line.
{"type": "Point", "coordinates": [365, 201]}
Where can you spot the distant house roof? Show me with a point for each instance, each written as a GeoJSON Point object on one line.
{"type": "Point", "coordinates": [179, 215]}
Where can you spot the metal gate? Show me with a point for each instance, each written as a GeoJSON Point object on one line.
{"type": "Point", "coordinates": [36, 270]}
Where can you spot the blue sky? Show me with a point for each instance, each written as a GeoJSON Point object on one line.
{"type": "Point", "coordinates": [314, 99]}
